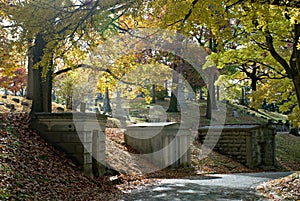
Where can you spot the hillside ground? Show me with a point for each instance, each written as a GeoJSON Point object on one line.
{"type": "Point", "coordinates": [30, 168]}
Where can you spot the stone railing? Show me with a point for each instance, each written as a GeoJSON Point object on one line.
{"type": "Point", "coordinates": [80, 135]}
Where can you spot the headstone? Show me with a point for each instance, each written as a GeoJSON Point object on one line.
{"type": "Point", "coordinates": [157, 114]}
{"type": "Point", "coordinates": [287, 125]}
{"type": "Point", "coordinates": [99, 96]}
{"type": "Point", "coordinates": [294, 131]}
{"type": "Point", "coordinates": [4, 97]}
{"type": "Point", "coordinates": [16, 100]}
{"type": "Point", "coordinates": [96, 110]}
{"type": "Point", "coordinates": [180, 96]}
{"type": "Point", "coordinates": [10, 106]}
{"type": "Point", "coordinates": [265, 105]}
{"type": "Point", "coordinates": [82, 107]}
{"type": "Point", "coordinates": [60, 109]}
{"type": "Point", "coordinates": [119, 112]}
{"type": "Point", "coordinates": [101, 107]}
{"type": "Point", "coordinates": [270, 122]}
{"type": "Point", "coordinates": [191, 95]}
{"type": "Point", "coordinates": [1, 103]}
{"type": "Point", "coordinates": [24, 103]}
{"type": "Point", "coordinates": [235, 113]}
{"type": "Point", "coordinates": [201, 95]}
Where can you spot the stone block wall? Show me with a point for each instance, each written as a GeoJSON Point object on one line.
{"type": "Point", "coordinates": [251, 145]}
{"type": "Point", "coordinates": [81, 137]}
{"type": "Point", "coordinates": [164, 144]}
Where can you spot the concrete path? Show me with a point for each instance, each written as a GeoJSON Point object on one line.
{"type": "Point", "coordinates": [220, 187]}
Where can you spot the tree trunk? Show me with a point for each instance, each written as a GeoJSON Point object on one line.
{"type": "Point", "coordinates": [201, 94]}
{"type": "Point", "coordinates": [173, 104]}
{"type": "Point", "coordinates": [254, 81]}
{"type": "Point", "coordinates": [173, 107]}
{"type": "Point", "coordinates": [212, 91]}
{"type": "Point", "coordinates": [213, 96]}
{"type": "Point", "coordinates": [29, 87]}
{"type": "Point", "coordinates": [42, 86]}
{"type": "Point", "coordinates": [243, 100]}
{"type": "Point", "coordinates": [153, 94]}
{"type": "Point", "coordinates": [209, 106]}
{"type": "Point", "coordinates": [295, 62]}
{"type": "Point", "coordinates": [296, 81]}
{"type": "Point", "coordinates": [218, 93]}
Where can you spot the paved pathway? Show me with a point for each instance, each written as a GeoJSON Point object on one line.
{"type": "Point", "coordinates": [219, 187]}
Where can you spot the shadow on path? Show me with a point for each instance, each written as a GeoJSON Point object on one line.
{"type": "Point", "coordinates": [220, 187]}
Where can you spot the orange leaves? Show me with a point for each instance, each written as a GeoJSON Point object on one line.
{"type": "Point", "coordinates": [31, 169]}
{"type": "Point", "coordinates": [287, 188]}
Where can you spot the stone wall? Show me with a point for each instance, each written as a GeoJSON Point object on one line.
{"type": "Point", "coordinates": [81, 137]}
{"type": "Point", "coordinates": [251, 145]}
{"type": "Point", "coordinates": [164, 144]}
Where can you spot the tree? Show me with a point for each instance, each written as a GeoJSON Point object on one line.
{"type": "Point", "coordinates": [12, 68]}
{"type": "Point", "coordinates": [273, 26]}
{"type": "Point", "coordinates": [51, 29]}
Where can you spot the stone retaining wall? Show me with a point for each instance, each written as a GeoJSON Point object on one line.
{"type": "Point", "coordinates": [81, 137]}
{"type": "Point", "coordinates": [251, 145]}
{"type": "Point", "coordinates": [165, 144]}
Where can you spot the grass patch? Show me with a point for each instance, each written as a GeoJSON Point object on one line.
{"type": "Point", "coordinates": [288, 147]}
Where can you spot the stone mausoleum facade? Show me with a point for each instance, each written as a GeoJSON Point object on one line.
{"type": "Point", "coordinates": [251, 145]}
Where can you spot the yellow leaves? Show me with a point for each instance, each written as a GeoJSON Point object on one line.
{"type": "Point", "coordinates": [294, 14]}
{"type": "Point", "coordinates": [148, 99]}
{"type": "Point", "coordinates": [298, 44]}
{"type": "Point", "coordinates": [295, 116]}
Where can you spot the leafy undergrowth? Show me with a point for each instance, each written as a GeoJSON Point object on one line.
{"type": "Point", "coordinates": [30, 169]}
{"type": "Point", "coordinates": [287, 188]}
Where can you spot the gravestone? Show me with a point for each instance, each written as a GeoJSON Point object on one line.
{"type": "Point", "coordinates": [82, 107]}
{"type": "Point", "coordinates": [118, 111]}
{"type": "Point", "coordinates": [24, 103]}
{"type": "Point", "coordinates": [180, 94]}
{"type": "Point", "coordinates": [157, 114]}
{"type": "Point", "coordinates": [16, 100]}
{"type": "Point", "coordinates": [1, 103]}
{"type": "Point", "coordinates": [10, 106]}
{"type": "Point", "coordinates": [60, 109]}
{"type": "Point", "coordinates": [235, 113]}
{"type": "Point", "coordinates": [294, 131]}
{"type": "Point", "coordinates": [4, 97]}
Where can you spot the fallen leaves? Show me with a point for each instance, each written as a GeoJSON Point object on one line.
{"type": "Point", "coordinates": [31, 169]}
{"type": "Point", "coordinates": [287, 188]}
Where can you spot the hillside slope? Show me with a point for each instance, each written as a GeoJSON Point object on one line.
{"type": "Point", "coordinates": [30, 169]}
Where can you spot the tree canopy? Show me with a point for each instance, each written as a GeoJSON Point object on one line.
{"type": "Point", "coordinates": [259, 38]}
